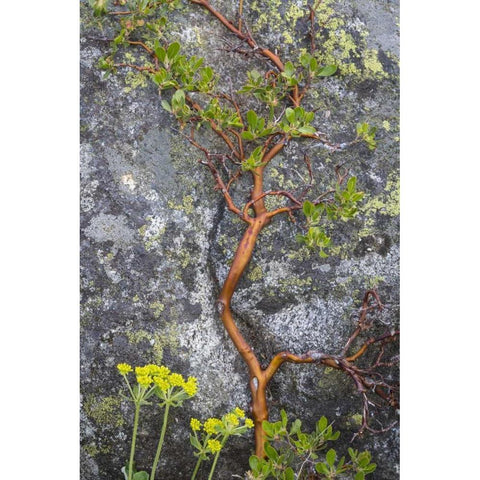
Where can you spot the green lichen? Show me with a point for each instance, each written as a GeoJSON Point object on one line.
{"type": "Point", "coordinates": [168, 338]}
{"type": "Point", "coordinates": [255, 273]}
{"type": "Point", "coordinates": [152, 233]}
{"type": "Point", "coordinates": [157, 308]}
{"type": "Point", "coordinates": [337, 41]}
{"type": "Point", "coordinates": [372, 65]}
{"type": "Point", "coordinates": [104, 411]}
{"type": "Point", "coordinates": [287, 284]}
{"type": "Point", "coordinates": [356, 419]}
{"type": "Point", "coordinates": [371, 283]}
{"type": "Point", "coordinates": [266, 18]}
{"type": "Point", "coordinates": [186, 205]}
{"type": "Point", "coordinates": [142, 230]}
{"type": "Point", "coordinates": [135, 80]}
{"type": "Point", "coordinates": [184, 257]}
{"type": "Point", "coordinates": [392, 188]}
{"type": "Point", "coordinates": [302, 254]}
{"type": "Point", "coordinates": [93, 450]}
{"type": "Point", "coordinates": [386, 203]}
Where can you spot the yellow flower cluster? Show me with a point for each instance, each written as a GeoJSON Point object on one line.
{"type": "Point", "coordinates": [160, 376]}
{"type": "Point", "coordinates": [231, 419]}
{"type": "Point", "coordinates": [249, 423]}
{"type": "Point", "coordinates": [239, 413]}
{"type": "Point", "coordinates": [211, 424]}
{"type": "Point", "coordinates": [214, 446]}
{"type": "Point", "coordinates": [228, 422]}
{"type": "Point", "coordinates": [195, 424]}
{"type": "Point", "coordinates": [124, 368]}
{"type": "Point", "coordinates": [190, 386]}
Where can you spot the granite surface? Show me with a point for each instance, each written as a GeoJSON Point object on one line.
{"type": "Point", "coordinates": [157, 240]}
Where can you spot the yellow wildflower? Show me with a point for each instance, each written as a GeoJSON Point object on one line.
{"type": "Point", "coordinates": [195, 424]}
{"type": "Point", "coordinates": [144, 380]}
{"type": "Point", "coordinates": [124, 368]}
{"type": "Point", "coordinates": [239, 413]}
{"type": "Point", "coordinates": [190, 386]}
{"type": "Point", "coordinates": [249, 423]}
{"type": "Point", "coordinates": [152, 369]}
{"type": "Point", "coordinates": [214, 446]}
{"type": "Point", "coordinates": [176, 380]}
{"type": "Point", "coordinates": [163, 371]}
{"type": "Point", "coordinates": [162, 383]}
{"type": "Point", "coordinates": [232, 419]}
{"type": "Point", "coordinates": [210, 426]}
{"type": "Point", "coordinates": [140, 371]}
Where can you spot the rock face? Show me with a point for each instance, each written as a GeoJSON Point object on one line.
{"type": "Point", "coordinates": [157, 241]}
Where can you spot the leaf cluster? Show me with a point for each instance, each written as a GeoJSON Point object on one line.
{"type": "Point", "coordinates": [343, 205]}
{"type": "Point", "coordinates": [366, 133]}
{"type": "Point", "coordinates": [297, 122]}
{"type": "Point", "coordinates": [292, 454]}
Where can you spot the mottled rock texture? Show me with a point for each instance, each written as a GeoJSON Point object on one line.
{"type": "Point", "coordinates": [157, 241]}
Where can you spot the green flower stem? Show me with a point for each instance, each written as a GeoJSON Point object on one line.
{"type": "Point", "coordinates": [129, 387]}
{"type": "Point", "coordinates": [160, 442]}
{"type": "Point", "coordinates": [134, 438]}
{"type": "Point", "coordinates": [214, 464]}
{"type": "Point", "coordinates": [199, 461]}
{"type": "Point", "coordinates": [197, 466]}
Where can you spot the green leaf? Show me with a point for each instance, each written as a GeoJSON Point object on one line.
{"type": "Point", "coordinates": [99, 6]}
{"type": "Point", "coordinates": [166, 106]}
{"type": "Point", "coordinates": [289, 474]}
{"type": "Point", "coordinates": [160, 52]}
{"type": "Point", "coordinates": [173, 50]}
{"type": "Point", "coordinates": [271, 452]}
{"type": "Point", "coordinates": [360, 476]}
{"type": "Point", "coordinates": [253, 462]}
{"type": "Point", "coordinates": [307, 130]}
{"type": "Point", "coordinates": [327, 71]}
{"type": "Point", "coordinates": [336, 434]}
{"type": "Point", "coordinates": [252, 119]}
{"type": "Point", "coordinates": [331, 456]}
{"type": "Point", "coordinates": [322, 424]}
{"type": "Point", "coordinates": [297, 424]}
{"type": "Point", "coordinates": [207, 73]}
{"type": "Point", "coordinates": [140, 476]}
{"type": "Point", "coordinates": [305, 59]}
{"type": "Point", "coordinates": [300, 239]}
{"type": "Point", "coordinates": [195, 442]}
{"type": "Point", "coordinates": [322, 468]}
{"type": "Point", "coordinates": [268, 428]}
{"type": "Point", "coordinates": [290, 115]}
{"type": "Point", "coordinates": [351, 184]}
{"type": "Point", "coordinates": [178, 99]}
{"type": "Point", "coordinates": [289, 69]}
{"type": "Point", "coordinates": [308, 208]}
{"type": "Point", "coordinates": [248, 135]}
{"type": "Point", "coordinates": [362, 128]}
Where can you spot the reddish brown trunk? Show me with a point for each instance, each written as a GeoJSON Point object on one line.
{"type": "Point", "coordinates": [258, 382]}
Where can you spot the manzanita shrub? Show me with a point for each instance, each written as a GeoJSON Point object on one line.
{"type": "Point", "coordinates": [252, 123]}
{"type": "Point", "coordinates": [291, 454]}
